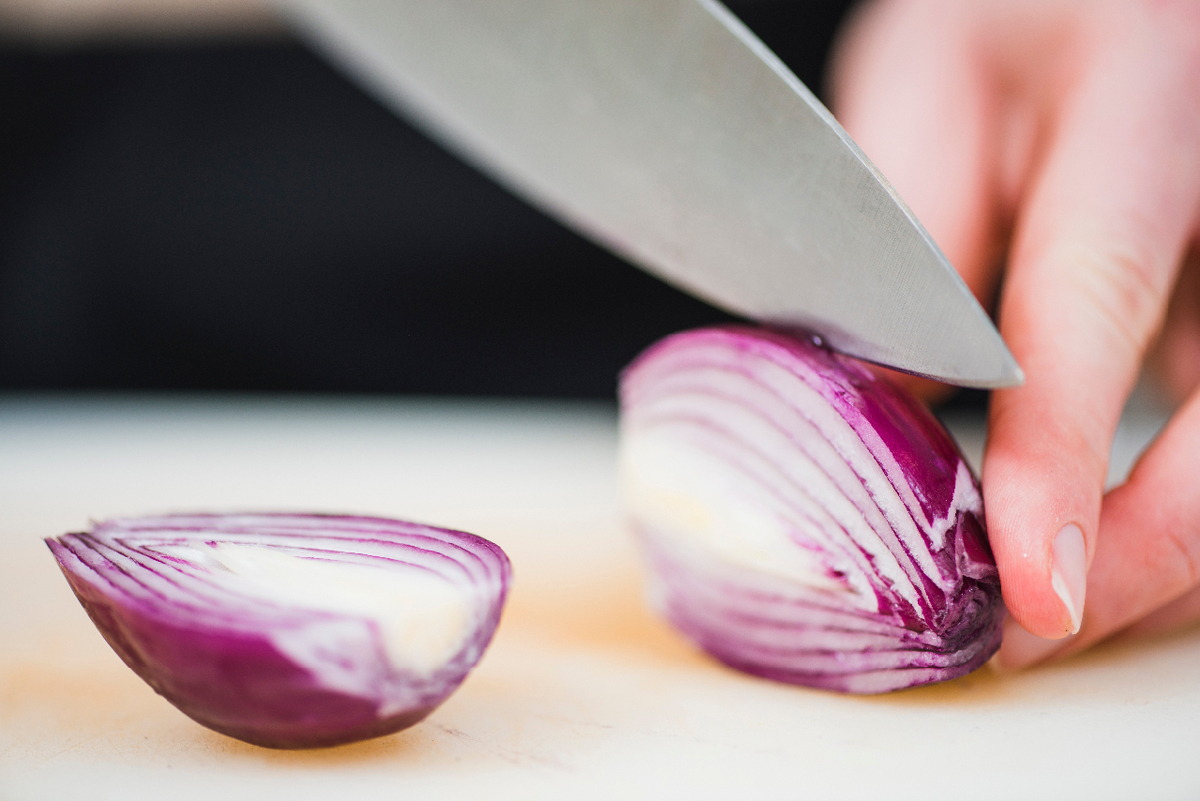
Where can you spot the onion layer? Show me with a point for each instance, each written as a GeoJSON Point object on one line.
{"type": "Point", "coordinates": [803, 519]}
{"type": "Point", "coordinates": [291, 631]}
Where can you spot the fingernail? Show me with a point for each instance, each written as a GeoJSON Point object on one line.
{"type": "Point", "coordinates": [1068, 571]}
{"type": "Point", "coordinates": [1020, 649]}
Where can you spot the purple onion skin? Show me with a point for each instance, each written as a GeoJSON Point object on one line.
{"type": "Point", "coordinates": [945, 626]}
{"type": "Point", "coordinates": [233, 678]}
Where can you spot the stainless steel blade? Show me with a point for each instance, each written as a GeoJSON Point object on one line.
{"type": "Point", "coordinates": [668, 132]}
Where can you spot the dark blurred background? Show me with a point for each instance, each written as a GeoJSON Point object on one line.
{"type": "Point", "coordinates": [230, 213]}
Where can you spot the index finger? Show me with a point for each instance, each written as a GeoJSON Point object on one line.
{"type": "Point", "coordinates": [1098, 244]}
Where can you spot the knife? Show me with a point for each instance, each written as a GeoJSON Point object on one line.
{"type": "Point", "coordinates": [666, 131]}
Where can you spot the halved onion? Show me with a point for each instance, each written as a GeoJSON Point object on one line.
{"type": "Point", "coordinates": [804, 519]}
{"type": "Point", "coordinates": [291, 630]}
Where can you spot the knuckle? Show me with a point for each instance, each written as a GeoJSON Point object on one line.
{"type": "Point", "coordinates": [1127, 287]}
{"type": "Point", "coordinates": [1182, 555]}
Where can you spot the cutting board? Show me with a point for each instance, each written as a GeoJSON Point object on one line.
{"type": "Point", "coordinates": [583, 694]}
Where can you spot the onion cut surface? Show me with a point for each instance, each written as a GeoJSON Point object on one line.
{"type": "Point", "coordinates": [803, 519]}
{"type": "Point", "coordinates": [291, 630]}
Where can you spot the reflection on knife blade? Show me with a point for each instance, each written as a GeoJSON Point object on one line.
{"type": "Point", "coordinates": [668, 132]}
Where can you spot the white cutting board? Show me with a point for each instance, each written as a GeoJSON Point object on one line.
{"type": "Point", "coordinates": [582, 695]}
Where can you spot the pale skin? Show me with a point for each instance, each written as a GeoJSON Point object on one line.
{"type": "Point", "coordinates": [1052, 148]}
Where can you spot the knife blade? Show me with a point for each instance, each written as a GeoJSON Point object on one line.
{"type": "Point", "coordinates": [665, 130]}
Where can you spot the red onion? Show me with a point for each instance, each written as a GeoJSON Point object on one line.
{"type": "Point", "coordinates": [804, 519]}
{"type": "Point", "coordinates": [288, 630]}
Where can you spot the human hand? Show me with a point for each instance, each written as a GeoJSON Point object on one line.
{"type": "Point", "coordinates": [1054, 146]}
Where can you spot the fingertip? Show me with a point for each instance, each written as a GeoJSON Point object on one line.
{"type": "Point", "coordinates": [1036, 528]}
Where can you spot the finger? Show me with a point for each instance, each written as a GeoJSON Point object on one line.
{"type": "Point", "coordinates": [909, 87]}
{"type": "Point", "coordinates": [1147, 564]}
{"type": "Point", "coordinates": [1179, 613]}
{"type": "Point", "coordinates": [1097, 247]}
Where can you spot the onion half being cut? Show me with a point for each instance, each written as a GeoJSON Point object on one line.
{"type": "Point", "coordinates": [803, 519]}
{"type": "Point", "coordinates": [286, 630]}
